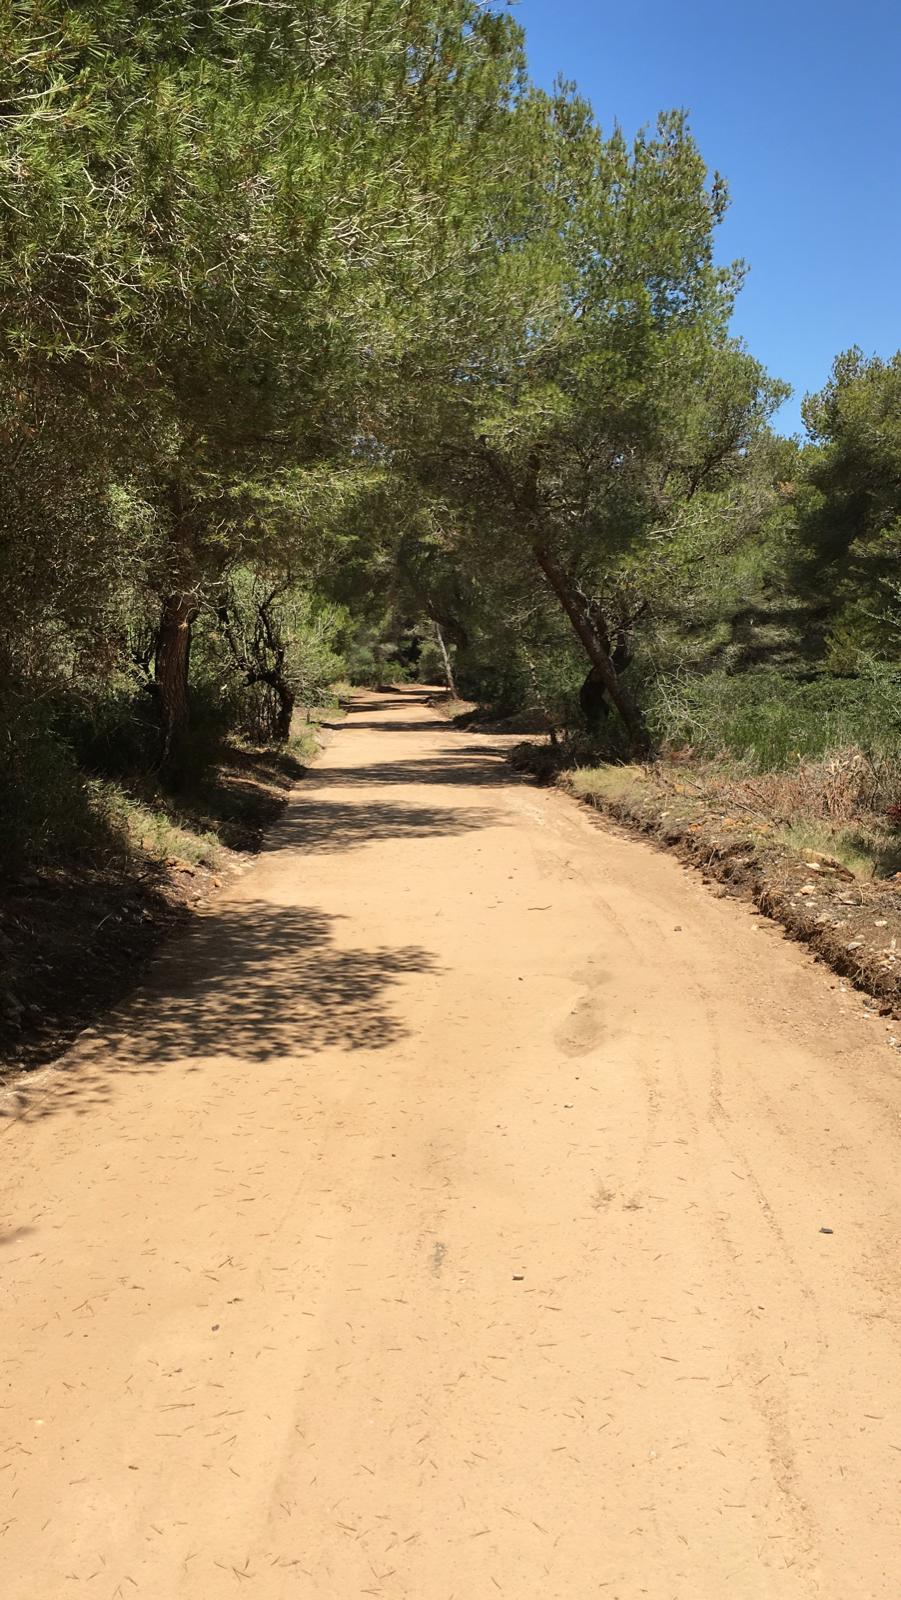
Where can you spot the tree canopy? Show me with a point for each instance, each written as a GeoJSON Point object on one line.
{"type": "Point", "coordinates": [320, 319]}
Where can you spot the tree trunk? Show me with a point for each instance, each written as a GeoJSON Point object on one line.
{"type": "Point", "coordinates": [173, 653]}
{"type": "Point", "coordinates": [285, 696]}
{"type": "Point", "coordinates": [445, 658]}
{"type": "Point", "coordinates": [593, 701]}
{"type": "Point", "coordinates": [594, 646]}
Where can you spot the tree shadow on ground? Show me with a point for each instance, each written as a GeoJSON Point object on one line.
{"type": "Point", "coordinates": [75, 933]}
{"type": "Point", "coordinates": [255, 983]}
{"type": "Point", "coordinates": [331, 826]}
{"type": "Point", "coordinates": [102, 940]}
{"type": "Point", "coordinates": [368, 710]}
{"type": "Point", "coordinates": [354, 724]}
{"type": "Point", "coordinates": [467, 766]}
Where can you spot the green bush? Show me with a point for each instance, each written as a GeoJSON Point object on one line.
{"type": "Point", "coordinates": [771, 721]}
{"type": "Point", "coordinates": [112, 730]}
{"type": "Point", "coordinates": [46, 808]}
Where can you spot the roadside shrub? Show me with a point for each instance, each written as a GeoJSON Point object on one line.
{"type": "Point", "coordinates": [45, 801]}
{"type": "Point", "coordinates": [772, 722]}
{"type": "Point", "coordinates": [112, 729]}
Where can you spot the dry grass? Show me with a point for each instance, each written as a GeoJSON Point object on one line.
{"type": "Point", "coordinates": [838, 807]}
{"type": "Point", "coordinates": [840, 788]}
{"type": "Point", "coordinates": [605, 783]}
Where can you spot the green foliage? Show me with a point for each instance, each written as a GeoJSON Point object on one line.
{"type": "Point", "coordinates": [773, 721]}
{"type": "Point", "coordinates": [582, 390]}
{"type": "Point", "coordinates": [213, 220]}
{"type": "Point", "coordinates": [45, 800]}
{"type": "Point", "coordinates": [329, 344]}
{"type": "Point", "coordinates": [849, 512]}
{"type": "Point", "coordinates": [267, 646]}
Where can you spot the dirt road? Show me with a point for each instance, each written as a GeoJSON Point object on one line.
{"type": "Point", "coordinates": [445, 1219]}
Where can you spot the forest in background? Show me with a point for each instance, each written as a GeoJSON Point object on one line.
{"type": "Point", "coordinates": [334, 349]}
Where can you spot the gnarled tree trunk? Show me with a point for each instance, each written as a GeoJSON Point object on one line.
{"type": "Point", "coordinates": [525, 497]}
{"type": "Point", "coordinates": [261, 659]}
{"type": "Point", "coordinates": [595, 646]}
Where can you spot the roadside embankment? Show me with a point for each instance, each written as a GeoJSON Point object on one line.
{"type": "Point", "coordinates": [830, 879]}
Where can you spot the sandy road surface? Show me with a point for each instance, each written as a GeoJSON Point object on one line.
{"type": "Point", "coordinates": [443, 1220]}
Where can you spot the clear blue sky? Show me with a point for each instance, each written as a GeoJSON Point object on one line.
{"type": "Point", "coordinates": [798, 104]}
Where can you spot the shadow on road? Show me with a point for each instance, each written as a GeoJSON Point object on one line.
{"type": "Point", "coordinates": [332, 826]}
{"type": "Point", "coordinates": [468, 766]}
{"type": "Point", "coordinates": [253, 982]}
{"type": "Point", "coordinates": [355, 724]}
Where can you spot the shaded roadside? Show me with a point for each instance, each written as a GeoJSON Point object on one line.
{"type": "Point", "coordinates": [253, 983]}
{"type": "Point", "coordinates": [75, 938]}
